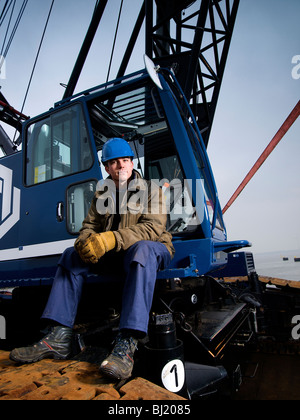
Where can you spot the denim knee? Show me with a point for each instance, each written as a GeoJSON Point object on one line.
{"type": "Point", "coordinates": [71, 261]}
{"type": "Point", "coordinates": [147, 252]}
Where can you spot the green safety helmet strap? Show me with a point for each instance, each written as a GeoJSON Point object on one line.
{"type": "Point", "coordinates": [116, 148]}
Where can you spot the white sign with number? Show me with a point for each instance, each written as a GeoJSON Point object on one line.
{"type": "Point", "coordinates": [173, 375]}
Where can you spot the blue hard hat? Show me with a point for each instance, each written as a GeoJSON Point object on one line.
{"type": "Point", "coordinates": [116, 148]}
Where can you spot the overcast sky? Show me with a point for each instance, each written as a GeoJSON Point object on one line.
{"type": "Point", "coordinates": [258, 93]}
{"type": "Point", "coordinates": [261, 87]}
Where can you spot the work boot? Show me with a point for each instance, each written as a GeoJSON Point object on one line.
{"type": "Point", "coordinates": [119, 364]}
{"type": "Point", "coordinates": [55, 345]}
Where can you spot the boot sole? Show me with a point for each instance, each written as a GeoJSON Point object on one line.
{"type": "Point", "coordinates": [49, 355]}
{"type": "Point", "coordinates": [112, 374]}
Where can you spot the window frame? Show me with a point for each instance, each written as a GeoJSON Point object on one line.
{"type": "Point", "coordinates": [28, 179]}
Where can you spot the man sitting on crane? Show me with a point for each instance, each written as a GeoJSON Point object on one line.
{"type": "Point", "coordinates": [137, 239]}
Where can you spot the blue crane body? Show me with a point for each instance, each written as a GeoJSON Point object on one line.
{"type": "Point", "coordinates": [51, 182]}
{"type": "Point", "coordinates": [59, 163]}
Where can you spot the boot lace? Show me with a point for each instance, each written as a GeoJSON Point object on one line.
{"type": "Point", "coordinates": [125, 346]}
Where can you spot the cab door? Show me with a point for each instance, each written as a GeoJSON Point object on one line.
{"type": "Point", "coordinates": [61, 171]}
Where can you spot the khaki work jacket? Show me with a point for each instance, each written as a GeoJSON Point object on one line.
{"type": "Point", "coordinates": [142, 214]}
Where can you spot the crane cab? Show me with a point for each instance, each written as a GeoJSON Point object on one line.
{"type": "Point", "coordinates": [60, 172]}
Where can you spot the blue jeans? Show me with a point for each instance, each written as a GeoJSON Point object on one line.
{"type": "Point", "coordinates": [141, 263]}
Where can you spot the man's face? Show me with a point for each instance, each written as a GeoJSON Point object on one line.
{"type": "Point", "coordinates": [120, 169]}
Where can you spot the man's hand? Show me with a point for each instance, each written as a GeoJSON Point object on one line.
{"type": "Point", "coordinates": [96, 246]}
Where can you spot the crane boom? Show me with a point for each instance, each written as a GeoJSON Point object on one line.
{"type": "Point", "coordinates": [192, 37]}
{"type": "Point", "coordinates": [268, 150]}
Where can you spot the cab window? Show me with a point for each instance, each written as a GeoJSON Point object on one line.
{"type": "Point", "coordinates": [57, 146]}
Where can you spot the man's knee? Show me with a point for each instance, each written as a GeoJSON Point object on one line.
{"type": "Point", "coordinates": [146, 253]}
{"type": "Point", "coordinates": [71, 261]}
{"type": "Point", "coordinates": [66, 256]}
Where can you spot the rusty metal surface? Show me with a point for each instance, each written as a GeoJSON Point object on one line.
{"type": "Point", "coordinates": [70, 380]}
{"type": "Point", "coordinates": [280, 282]}
{"type": "Point", "coordinates": [267, 280]}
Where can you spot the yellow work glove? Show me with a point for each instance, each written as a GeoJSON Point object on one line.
{"type": "Point", "coordinates": [96, 246]}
